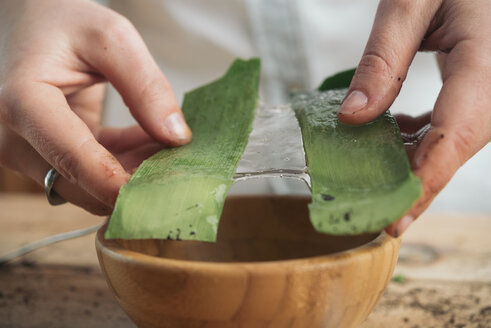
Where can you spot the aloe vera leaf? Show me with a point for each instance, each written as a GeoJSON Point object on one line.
{"type": "Point", "coordinates": [179, 192]}
{"type": "Point", "coordinates": [339, 80]}
{"type": "Point", "coordinates": [360, 175]}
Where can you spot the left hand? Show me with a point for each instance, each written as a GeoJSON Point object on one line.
{"type": "Point", "coordinates": [461, 118]}
{"type": "Point", "coordinates": [55, 56]}
{"type": "Point", "coordinates": [130, 146]}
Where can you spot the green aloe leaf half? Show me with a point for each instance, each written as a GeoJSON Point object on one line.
{"type": "Point", "coordinates": [179, 192]}
{"type": "Point", "coordinates": [339, 80]}
{"type": "Point", "coordinates": [360, 175]}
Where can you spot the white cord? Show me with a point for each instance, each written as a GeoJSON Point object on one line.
{"type": "Point", "coordinates": [47, 241]}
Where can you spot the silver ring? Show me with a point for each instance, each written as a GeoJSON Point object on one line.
{"type": "Point", "coordinates": [51, 194]}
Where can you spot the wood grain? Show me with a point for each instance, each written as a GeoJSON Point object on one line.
{"type": "Point", "coordinates": [269, 268]}
{"type": "Point", "coordinates": [57, 296]}
{"type": "Point", "coordinates": [433, 303]}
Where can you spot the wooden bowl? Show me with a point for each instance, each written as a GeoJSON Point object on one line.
{"type": "Point", "coordinates": [269, 268]}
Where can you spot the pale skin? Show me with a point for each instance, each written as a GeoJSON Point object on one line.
{"type": "Point", "coordinates": [460, 123]}
{"type": "Point", "coordinates": [57, 54]}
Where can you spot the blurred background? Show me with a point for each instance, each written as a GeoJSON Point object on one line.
{"type": "Point", "coordinates": [443, 275]}
{"type": "Point", "coordinates": [299, 43]}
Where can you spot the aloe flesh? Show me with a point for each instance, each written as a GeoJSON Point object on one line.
{"type": "Point", "coordinates": [179, 192]}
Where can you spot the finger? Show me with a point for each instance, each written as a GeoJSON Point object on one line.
{"type": "Point", "coordinates": [118, 52]}
{"type": "Point", "coordinates": [133, 158]}
{"type": "Point", "coordinates": [460, 125]}
{"type": "Point", "coordinates": [396, 35]}
{"type": "Point", "coordinates": [39, 113]}
{"type": "Point", "coordinates": [18, 155]}
{"type": "Point", "coordinates": [87, 104]}
{"type": "Point", "coordinates": [130, 145]}
{"type": "Point", "coordinates": [441, 58]}
{"type": "Point", "coordinates": [397, 228]}
{"type": "Point", "coordinates": [118, 140]}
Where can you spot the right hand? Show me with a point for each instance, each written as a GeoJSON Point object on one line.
{"type": "Point", "coordinates": [459, 125]}
{"type": "Point", "coordinates": [55, 56]}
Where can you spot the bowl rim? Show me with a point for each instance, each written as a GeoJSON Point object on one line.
{"type": "Point", "coordinates": [112, 248]}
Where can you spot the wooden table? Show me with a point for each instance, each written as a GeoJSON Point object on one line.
{"type": "Point", "coordinates": [446, 262]}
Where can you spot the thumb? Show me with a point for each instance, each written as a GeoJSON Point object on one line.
{"type": "Point", "coordinates": [119, 53]}
{"type": "Point", "coordinates": [396, 36]}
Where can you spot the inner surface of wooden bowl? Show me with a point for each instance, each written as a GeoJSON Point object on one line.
{"type": "Point", "coordinates": [254, 229]}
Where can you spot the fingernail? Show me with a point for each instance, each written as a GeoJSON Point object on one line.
{"type": "Point", "coordinates": [403, 225]}
{"type": "Point", "coordinates": [176, 127]}
{"type": "Point", "coordinates": [355, 102]}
